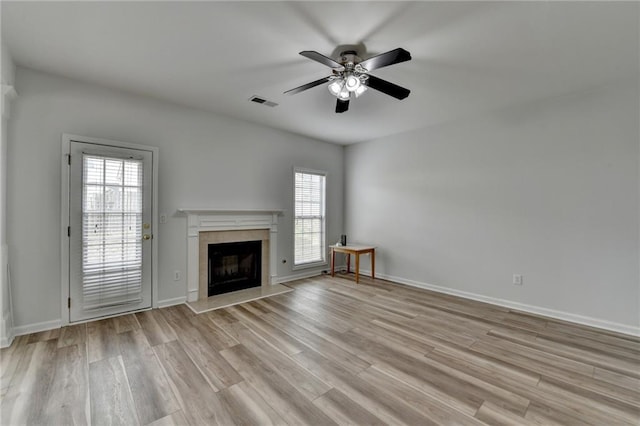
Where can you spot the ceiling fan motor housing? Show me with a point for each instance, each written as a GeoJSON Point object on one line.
{"type": "Point", "coordinates": [353, 75]}
{"type": "Point", "coordinates": [349, 57]}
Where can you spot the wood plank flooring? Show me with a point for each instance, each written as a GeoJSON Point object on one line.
{"type": "Point", "coordinates": [329, 352]}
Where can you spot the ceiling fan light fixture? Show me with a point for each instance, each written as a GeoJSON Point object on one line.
{"type": "Point", "coordinates": [344, 94]}
{"type": "Point", "coordinates": [360, 90]}
{"type": "Point", "coordinates": [335, 87]}
{"type": "Point", "coordinates": [352, 83]}
{"type": "Point", "coordinates": [338, 88]}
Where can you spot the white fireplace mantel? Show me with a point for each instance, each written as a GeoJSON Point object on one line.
{"type": "Point", "coordinates": [203, 220]}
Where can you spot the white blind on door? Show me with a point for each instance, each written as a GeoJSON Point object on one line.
{"type": "Point", "coordinates": [111, 231]}
{"type": "Point", "coordinates": [309, 228]}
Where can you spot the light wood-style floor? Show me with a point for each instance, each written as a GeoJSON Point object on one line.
{"type": "Point", "coordinates": [329, 352]}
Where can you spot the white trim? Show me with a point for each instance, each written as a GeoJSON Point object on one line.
{"type": "Point", "coordinates": [203, 211]}
{"type": "Point", "coordinates": [205, 220]}
{"type": "Point", "coordinates": [325, 260]}
{"type": "Point", "coordinates": [552, 313]}
{"type": "Point", "coordinates": [310, 265]}
{"type": "Point", "coordinates": [53, 324]}
{"type": "Point", "coordinates": [8, 94]}
{"type": "Point", "coordinates": [64, 216]}
{"type": "Point", "coordinates": [64, 223]}
{"type": "Point", "coordinates": [155, 222]}
{"type": "Point", "coordinates": [6, 324]}
{"type": "Point", "coordinates": [7, 332]}
{"type": "Point", "coordinates": [37, 327]}
{"type": "Point", "coordinates": [171, 302]}
{"type": "Point", "coordinates": [299, 276]}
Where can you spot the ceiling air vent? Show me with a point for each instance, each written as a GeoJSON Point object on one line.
{"type": "Point", "coordinates": [262, 101]}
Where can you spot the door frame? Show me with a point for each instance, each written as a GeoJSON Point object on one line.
{"type": "Point", "coordinates": [65, 215]}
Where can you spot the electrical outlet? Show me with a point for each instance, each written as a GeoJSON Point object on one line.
{"type": "Point", "coordinates": [163, 218]}
{"type": "Point", "coordinates": [176, 275]}
{"type": "Point", "coordinates": [517, 279]}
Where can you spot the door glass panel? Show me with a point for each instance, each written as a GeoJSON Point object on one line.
{"type": "Point", "coordinates": [111, 231]}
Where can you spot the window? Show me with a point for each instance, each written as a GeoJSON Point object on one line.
{"type": "Point", "coordinates": [309, 221]}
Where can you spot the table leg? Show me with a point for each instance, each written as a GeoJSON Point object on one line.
{"type": "Point", "coordinates": [348, 262]}
{"type": "Point", "coordinates": [333, 262]}
{"type": "Point", "coordinates": [373, 264]}
{"type": "Point", "coordinates": [357, 268]}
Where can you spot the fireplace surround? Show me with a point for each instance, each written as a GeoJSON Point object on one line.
{"type": "Point", "coordinates": [211, 226]}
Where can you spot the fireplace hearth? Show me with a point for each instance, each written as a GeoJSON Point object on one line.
{"type": "Point", "coordinates": [234, 266]}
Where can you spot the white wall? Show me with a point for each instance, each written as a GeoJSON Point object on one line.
{"type": "Point", "coordinates": [205, 161]}
{"type": "Point", "coordinates": [7, 73]}
{"type": "Point", "coordinates": [549, 190]}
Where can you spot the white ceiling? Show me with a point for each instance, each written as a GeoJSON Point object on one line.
{"type": "Point", "coordinates": [467, 56]}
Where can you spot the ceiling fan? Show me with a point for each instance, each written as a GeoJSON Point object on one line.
{"type": "Point", "coordinates": [350, 76]}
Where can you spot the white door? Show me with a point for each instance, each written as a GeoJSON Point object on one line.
{"type": "Point", "coordinates": [110, 205]}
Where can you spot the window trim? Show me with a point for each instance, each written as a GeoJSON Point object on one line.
{"type": "Point", "coordinates": [325, 256]}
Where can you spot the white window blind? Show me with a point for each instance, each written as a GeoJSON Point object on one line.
{"type": "Point", "coordinates": [111, 231]}
{"type": "Point", "coordinates": [309, 228]}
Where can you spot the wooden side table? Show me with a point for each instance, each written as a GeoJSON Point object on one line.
{"type": "Point", "coordinates": [357, 251]}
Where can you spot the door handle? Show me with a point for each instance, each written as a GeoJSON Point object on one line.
{"type": "Point", "coordinates": [146, 237]}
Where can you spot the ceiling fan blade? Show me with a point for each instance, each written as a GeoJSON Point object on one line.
{"type": "Point", "coordinates": [342, 106]}
{"type": "Point", "coordinates": [389, 58]}
{"type": "Point", "coordinates": [318, 57]}
{"type": "Point", "coordinates": [386, 87]}
{"type": "Point", "coordinates": [307, 86]}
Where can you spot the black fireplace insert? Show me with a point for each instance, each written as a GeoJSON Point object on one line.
{"type": "Point", "coordinates": [234, 266]}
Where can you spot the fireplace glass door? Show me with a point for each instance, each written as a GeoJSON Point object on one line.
{"type": "Point", "coordinates": [234, 266]}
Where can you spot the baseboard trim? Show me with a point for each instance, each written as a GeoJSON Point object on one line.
{"type": "Point", "coordinates": [50, 325]}
{"type": "Point", "coordinates": [552, 313]}
{"type": "Point", "coordinates": [192, 296]}
{"type": "Point", "coordinates": [298, 276]}
{"type": "Point", "coordinates": [171, 302]}
{"type": "Point", "coordinates": [37, 327]}
{"type": "Point", "coordinates": [7, 333]}
{"type": "Point", "coordinates": [5, 341]}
